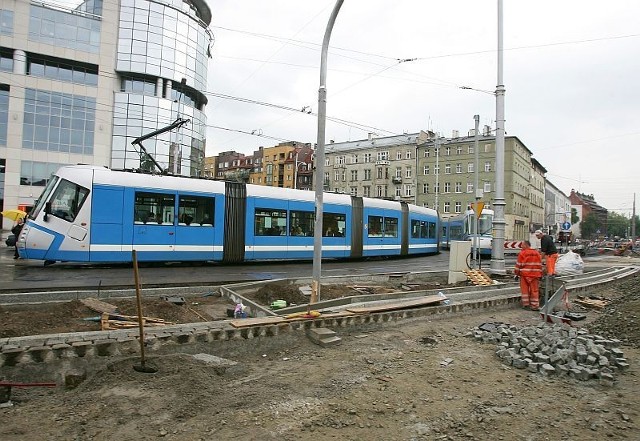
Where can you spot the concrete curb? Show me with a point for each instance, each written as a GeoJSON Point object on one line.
{"type": "Point", "coordinates": [20, 351]}
{"type": "Point", "coordinates": [31, 355]}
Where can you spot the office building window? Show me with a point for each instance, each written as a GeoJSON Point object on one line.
{"type": "Point", "coordinates": [63, 70]}
{"type": "Point", "coordinates": [138, 84]}
{"type": "Point", "coordinates": [6, 22]}
{"type": "Point", "coordinates": [63, 29]}
{"type": "Point", "coordinates": [4, 113]}
{"type": "Point", "coordinates": [6, 60]}
{"type": "Point", "coordinates": [58, 122]}
{"type": "Point", "coordinates": [37, 174]}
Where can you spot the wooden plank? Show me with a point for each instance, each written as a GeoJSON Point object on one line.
{"type": "Point", "coordinates": [423, 301]}
{"type": "Point", "coordinates": [478, 277]}
{"type": "Point", "coordinates": [98, 305]}
{"type": "Point", "coordinates": [246, 322]}
{"type": "Point", "coordinates": [592, 303]}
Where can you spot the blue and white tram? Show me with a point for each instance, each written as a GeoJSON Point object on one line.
{"type": "Point", "coordinates": [94, 214]}
{"type": "Point", "coordinates": [461, 228]}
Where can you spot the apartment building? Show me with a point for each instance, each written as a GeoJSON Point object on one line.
{"type": "Point", "coordinates": [374, 167]}
{"type": "Point", "coordinates": [557, 209]}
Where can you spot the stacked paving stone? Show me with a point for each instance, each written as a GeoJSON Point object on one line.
{"type": "Point", "coordinates": [555, 350]}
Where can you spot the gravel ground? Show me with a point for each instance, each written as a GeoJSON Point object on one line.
{"type": "Point", "coordinates": [418, 379]}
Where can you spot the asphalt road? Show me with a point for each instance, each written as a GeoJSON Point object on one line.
{"type": "Point", "coordinates": [28, 276]}
{"type": "Point", "coordinates": [24, 275]}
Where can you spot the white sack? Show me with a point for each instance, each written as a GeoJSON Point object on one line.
{"type": "Point", "coordinates": [569, 264]}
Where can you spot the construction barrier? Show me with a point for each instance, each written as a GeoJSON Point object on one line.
{"type": "Point", "coordinates": [513, 245]}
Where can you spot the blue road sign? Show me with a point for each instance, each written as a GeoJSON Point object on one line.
{"type": "Point", "coordinates": [566, 226]}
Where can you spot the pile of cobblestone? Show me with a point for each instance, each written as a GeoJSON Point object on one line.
{"type": "Point", "coordinates": [555, 350]}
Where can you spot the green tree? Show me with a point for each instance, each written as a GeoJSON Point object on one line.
{"type": "Point", "coordinates": [617, 224]}
{"type": "Point", "coordinates": [589, 226]}
{"type": "Point", "coordinates": [574, 216]}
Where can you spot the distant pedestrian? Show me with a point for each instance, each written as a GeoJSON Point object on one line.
{"type": "Point", "coordinates": [16, 230]}
{"type": "Point", "coordinates": [549, 251]}
{"type": "Point", "coordinates": [529, 269]}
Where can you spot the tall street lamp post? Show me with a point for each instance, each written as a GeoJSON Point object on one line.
{"type": "Point", "coordinates": [319, 178]}
{"type": "Point", "coordinates": [497, 249]}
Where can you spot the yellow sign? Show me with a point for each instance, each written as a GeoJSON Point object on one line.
{"type": "Point", "coordinates": [477, 208]}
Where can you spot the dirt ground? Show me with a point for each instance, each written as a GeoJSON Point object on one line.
{"type": "Point", "coordinates": [74, 316]}
{"type": "Point", "coordinates": [419, 379]}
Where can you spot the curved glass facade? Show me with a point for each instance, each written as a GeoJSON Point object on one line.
{"type": "Point", "coordinates": [162, 40]}
{"type": "Point", "coordinates": [180, 151]}
{"type": "Point", "coordinates": [162, 56]}
{"type": "Point", "coordinates": [85, 82]}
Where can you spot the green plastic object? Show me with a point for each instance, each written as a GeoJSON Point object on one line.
{"type": "Point", "coordinates": [277, 304]}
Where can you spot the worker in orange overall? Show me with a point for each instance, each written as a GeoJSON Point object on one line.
{"type": "Point", "coordinates": [529, 270]}
{"type": "Point", "coordinates": [549, 251]}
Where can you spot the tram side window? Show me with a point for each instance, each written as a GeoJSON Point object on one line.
{"type": "Point", "coordinates": [431, 232]}
{"type": "Point", "coordinates": [270, 222]}
{"type": "Point", "coordinates": [375, 226]}
{"type": "Point", "coordinates": [67, 200]}
{"type": "Point", "coordinates": [390, 227]}
{"type": "Point", "coordinates": [418, 229]}
{"type": "Point", "coordinates": [196, 211]}
{"type": "Point", "coordinates": [456, 232]}
{"type": "Point", "coordinates": [333, 224]}
{"type": "Point", "coordinates": [154, 208]}
{"type": "Point", "coordinates": [302, 223]}
{"type": "Point", "coordinates": [423, 229]}
{"type": "Point", "coordinates": [383, 226]}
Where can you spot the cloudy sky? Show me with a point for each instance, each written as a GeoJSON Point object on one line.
{"type": "Point", "coordinates": [571, 73]}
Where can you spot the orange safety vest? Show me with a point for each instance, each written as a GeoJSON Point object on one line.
{"type": "Point", "coordinates": [529, 264]}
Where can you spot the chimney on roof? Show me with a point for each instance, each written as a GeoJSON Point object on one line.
{"type": "Point", "coordinates": [370, 136]}
{"type": "Point", "coordinates": [455, 134]}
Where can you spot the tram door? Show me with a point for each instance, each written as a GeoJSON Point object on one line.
{"type": "Point", "coordinates": [154, 232]}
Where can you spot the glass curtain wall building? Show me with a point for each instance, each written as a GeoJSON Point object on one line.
{"type": "Point", "coordinates": [79, 85]}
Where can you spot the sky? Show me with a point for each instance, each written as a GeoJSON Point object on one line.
{"type": "Point", "coordinates": [571, 71]}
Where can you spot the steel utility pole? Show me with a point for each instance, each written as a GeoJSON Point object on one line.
{"type": "Point", "coordinates": [437, 170]}
{"type": "Point", "coordinates": [322, 119]}
{"type": "Point", "coordinates": [497, 250]}
{"type": "Point", "coordinates": [476, 189]}
{"type": "Point", "coordinates": [633, 219]}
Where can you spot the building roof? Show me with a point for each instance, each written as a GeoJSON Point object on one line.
{"type": "Point", "coordinates": [388, 141]}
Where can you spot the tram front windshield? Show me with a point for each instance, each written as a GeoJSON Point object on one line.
{"type": "Point", "coordinates": [486, 224]}
{"type": "Point", "coordinates": [43, 197]}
